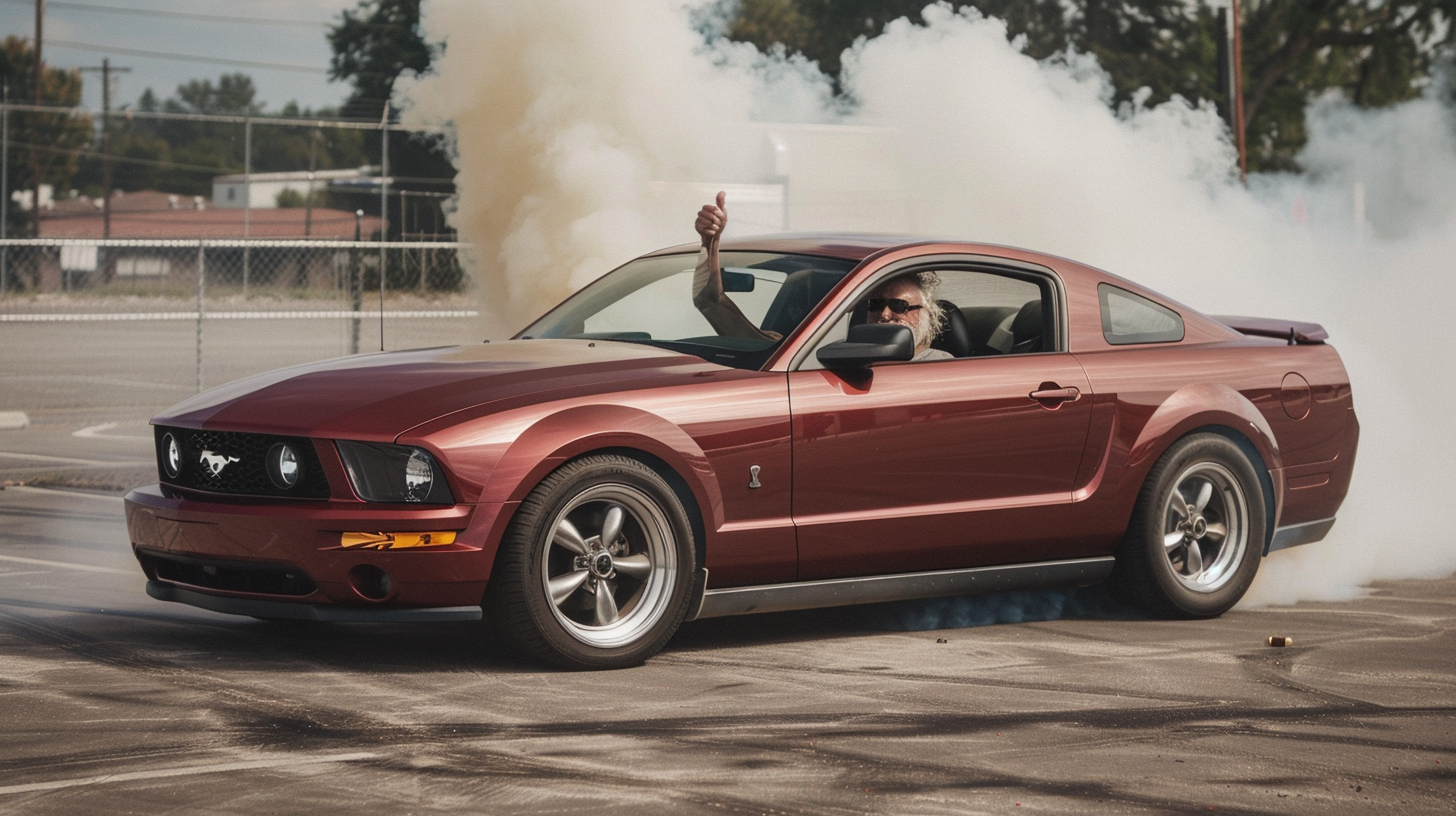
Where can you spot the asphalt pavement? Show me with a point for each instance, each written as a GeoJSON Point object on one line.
{"type": "Point", "coordinates": [1055, 702]}
{"type": "Point", "coordinates": [112, 702]}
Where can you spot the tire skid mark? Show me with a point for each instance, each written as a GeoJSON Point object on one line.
{"type": "Point", "coordinates": [882, 775]}
{"type": "Point", "coordinates": [779, 670]}
{"type": "Point", "coordinates": [226, 691]}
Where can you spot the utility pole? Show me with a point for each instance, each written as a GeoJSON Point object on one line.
{"type": "Point", "coordinates": [1238, 101]}
{"type": "Point", "coordinates": [1231, 74]}
{"type": "Point", "coordinates": [106, 70]}
{"type": "Point", "coordinates": [37, 79]}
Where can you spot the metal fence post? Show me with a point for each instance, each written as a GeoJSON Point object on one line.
{"type": "Point", "coordinates": [356, 281]}
{"type": "Point", "coordinates": [201, 289]}
{"type": "Point", "coordinates": [5, 188]}
{"type": "Point", "coordinates": [247, 196]}
{"type": "Point", "coordinates": [383, 212]}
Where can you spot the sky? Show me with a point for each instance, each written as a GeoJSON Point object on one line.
{"type": "Point", "coordinates": [165, 43]}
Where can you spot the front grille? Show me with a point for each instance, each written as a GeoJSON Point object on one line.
{"type": "Point", "coordinates": [229, 576]}
{"type": "Point", "coordinates": [230, 462]}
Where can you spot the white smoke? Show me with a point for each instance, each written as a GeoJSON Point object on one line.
{"type": "Point", "coordinates": [568, 116]}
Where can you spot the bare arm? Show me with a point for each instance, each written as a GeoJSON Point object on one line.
{"type": "Point", "coordinates": [708, 295]}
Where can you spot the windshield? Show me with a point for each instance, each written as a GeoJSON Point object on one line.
{"type": "Point", "coordinates": [650, 301]}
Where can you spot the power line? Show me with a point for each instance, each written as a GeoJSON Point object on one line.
{"type": "Point", "coordinates": [84, 153]}
{"type": "Point", "coordinates": [289, 121]}
{"type": "Point", "coordinates": [88, 153]}
{"type": "Point", "coordinates": [175, 15]}
{"type": "Point", "coordinates": [137, 52]}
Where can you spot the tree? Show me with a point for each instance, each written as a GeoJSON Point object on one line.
{"type": "Point", "coordinates": [182, 156]}
{"type": "Point", "coordinates": [373, 46]}
{"type": "Point", "coordinates": [1376, 53]}
{"type": "Point", "coordinates": [53, 140]}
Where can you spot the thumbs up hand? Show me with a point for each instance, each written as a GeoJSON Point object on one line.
{"type": "Point", "coordinates": [712, 219]}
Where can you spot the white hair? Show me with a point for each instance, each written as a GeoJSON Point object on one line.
{"type": "Point", "coordinates": [932, 316]}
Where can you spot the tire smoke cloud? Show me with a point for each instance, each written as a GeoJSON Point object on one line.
{"type": "Point", "coordinates": [569, 119]}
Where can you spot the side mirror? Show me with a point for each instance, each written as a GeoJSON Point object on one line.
{"type": "Point", "coordinates": [869, 343]}
{"type": "Point", "coordinates": [738, 281]}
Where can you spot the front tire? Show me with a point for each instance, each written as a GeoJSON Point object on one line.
{"type": "Point", "coordinates": [1197, 531]}
{"type": "Point", "coordinates": [595, 571]}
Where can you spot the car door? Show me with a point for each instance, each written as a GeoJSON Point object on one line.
{"type": "Point", "coordinates": [936, 465]}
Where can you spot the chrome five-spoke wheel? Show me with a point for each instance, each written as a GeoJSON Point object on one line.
{"type": "Point", "coordinates": [1205, 526]}
{"type": "Point", "coordinates": [609, 565]}
{"type": "Point", "coordinates": [1197, 531]}
{"type": "Point", "coordinates": [597, 566]}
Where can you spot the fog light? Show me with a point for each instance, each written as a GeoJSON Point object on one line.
{"type": "Point", "coordinates": [171, 456]}
{"type": "Point", "coordinates": [283, 466]}
{"type": "Point", "coordinates": [371, 582]}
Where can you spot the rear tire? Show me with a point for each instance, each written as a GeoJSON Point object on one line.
{"type": "Point", "coordinates": [596, 568]}
{"type": "Point", "coordinates": [1197, 531]}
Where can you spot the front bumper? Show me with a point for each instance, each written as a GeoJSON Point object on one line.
{"type": "Point", "coordinates": [285, 610]}
{"type": "Point", "coordinates": [283, 559]}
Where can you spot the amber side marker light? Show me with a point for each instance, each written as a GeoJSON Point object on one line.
{"type": "Point", "coordinates": [394, 541]}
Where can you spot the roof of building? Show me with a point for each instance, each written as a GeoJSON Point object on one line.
{"type": "Point", "coordinates": [295, 175]}
{"type": "Point", "coordinates": [153, 214]}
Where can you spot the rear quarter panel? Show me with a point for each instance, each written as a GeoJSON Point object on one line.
{"type": "Point", "coordinates": [1290, 403]}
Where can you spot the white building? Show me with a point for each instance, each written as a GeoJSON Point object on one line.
{"type": "Point", "coordinates": [260, 190]}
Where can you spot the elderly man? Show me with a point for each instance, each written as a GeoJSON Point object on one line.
{"type": "Point", "coordinates": [910, 301]}
{"type": "Point", "coordinates": [906, 299]}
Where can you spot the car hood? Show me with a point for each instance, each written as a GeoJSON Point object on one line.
{"type": "Point", "coordinates": [377, 397]}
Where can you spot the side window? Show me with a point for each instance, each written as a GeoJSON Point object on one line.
{"type": "Point", "coordinates": [982, 314]}
{"type": "Point", "coordinates": [1129, 319]}
{"type": "Point", "coordinates": [991, 314]}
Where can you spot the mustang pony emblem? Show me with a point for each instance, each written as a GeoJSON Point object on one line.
{"type": "Point", "coordinates": [216, 461]}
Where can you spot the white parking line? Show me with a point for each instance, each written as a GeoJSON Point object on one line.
{"type": "Point", "coordinates": [333, 314]}
{"type": "Point", "coordinates": [69, 494]}
{"type": "Point", "coordinates": [192, 770]}
{"type": "Point", "coordinates": [64, 460]}
{"type": "Point", "coordinates": [100, 432]}
{"type": "Point", "coordinates": [66, 565]}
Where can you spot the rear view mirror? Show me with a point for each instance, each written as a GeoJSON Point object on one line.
{"type": "Point", "coordinates": [869, 343]}
{"type": "Point", "coordinates": [737, 281]}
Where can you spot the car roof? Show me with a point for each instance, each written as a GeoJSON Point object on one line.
{"type": "Point", "coordinates": [859, 246]}
{"type": "Point", "coordinates": [847, 246]}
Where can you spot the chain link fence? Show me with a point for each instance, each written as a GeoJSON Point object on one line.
{"type": "Point", "coordinates": [104, 334]}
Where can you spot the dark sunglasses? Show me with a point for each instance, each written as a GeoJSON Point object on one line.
{"type": "Point", "coordinates": [897, 305]}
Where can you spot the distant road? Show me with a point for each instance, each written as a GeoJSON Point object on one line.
{"type": "Point", "coordinates": [73, 364]}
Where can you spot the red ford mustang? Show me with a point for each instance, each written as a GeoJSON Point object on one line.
{"type": "Point", "coordinates": [620, 466]}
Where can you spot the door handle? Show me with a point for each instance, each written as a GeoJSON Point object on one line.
{"type": "Point", "coordinates": [1052, 396]}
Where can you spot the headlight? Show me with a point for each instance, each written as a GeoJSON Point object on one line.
{"type": "Point", "coordinates": [394, 473]}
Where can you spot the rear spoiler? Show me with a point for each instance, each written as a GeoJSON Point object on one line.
{"type": "Point", "coordinates": [1291, 330]}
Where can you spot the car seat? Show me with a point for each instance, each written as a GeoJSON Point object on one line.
{"type": "Point", "coordinates": [955, 334]}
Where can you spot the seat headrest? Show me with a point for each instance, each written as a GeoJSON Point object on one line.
{"type": "Point", "coordinates": [1028, 322]}
{"type": "Point", "coordinates": [955, 333]}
